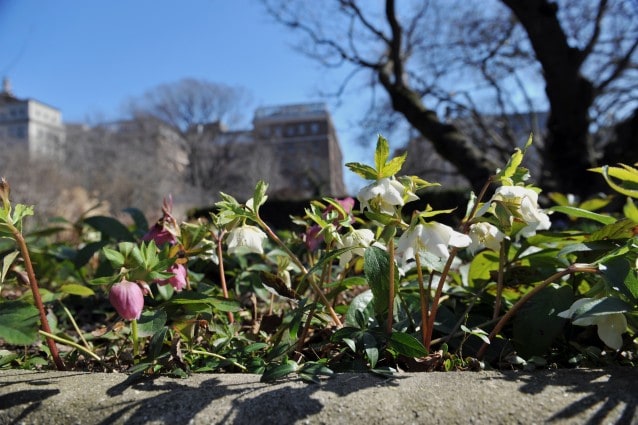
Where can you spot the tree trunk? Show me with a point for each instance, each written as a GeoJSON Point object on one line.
{"type": "Point", "coordinates": [447, 140]}
{"type": "Point", "coordinates": [567, 154]}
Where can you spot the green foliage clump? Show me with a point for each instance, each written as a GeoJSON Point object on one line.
{"type": "Point", "coordinates": [372, 288]}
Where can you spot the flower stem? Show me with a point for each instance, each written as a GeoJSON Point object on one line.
{"type": "Point", "coordinates": [71, 344]}
{"type": "Point", "coordinates": [222, 273]}
{"type": "Point", "coordinates": [422, 297]}
{"type": "Point", "coordinates": [136, 342]}
{"type": "Point", "coordinates": [44, 323]}
{"type": "Point", "coordinates": [391, 288]}
{"type": "Point", "coordinates": [303, 269]}
{"type": "Point", "coordinates": [574, 268]}
{"type": "Point", "coordinates": [437, 298]}
{"type": "Point", "coordinates": [499, 281]}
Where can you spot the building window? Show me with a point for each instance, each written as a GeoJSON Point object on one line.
{"type": "Point", "coordinates": [314, 128]}
{"type": "Point", "coordinates": [21, 132]}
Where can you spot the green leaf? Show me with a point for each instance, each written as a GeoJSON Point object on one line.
{"type": "Point", "coordinates": [582, 213]}
{"type": "Point", "coordinates": [157, 343]}
{"type": "Point", "coordinates": [362, 170]}
{"type": "Point", "coordinates": [19, 322]}
{"type": "Point", "coordinates": [407, 345]}
{"type": "Point", "coordinates": [259, 195]}
{"type": "Point", "coordinates": [225, 305]}
{"type": "Point", "coordinates": [631, 211]}
{"type": "Point", "coordinates": [151, 322]}
{"type": "Point", "coordinates": [512, 167]}
{"type": "Point", "coordinates": [110, 228]}
{"type": "Point", "coordinates": [628, 176]}
{"type": "Point", "coordinates": [481, 267]}
{"type": "Point", "coordinates": [621, 229]}
{"type": "Point", "coordinates": [275, 372]}
{"type": "Point", "coordinates": [601, 307]}
{"type": "Point", "coordinates": [7, 260]}
{"type": "Point", "coordinates": [376, 267]}
{"type": "Point", "coordinates": [620, 274]}
{"type": "Point", "coordinates": [393, 166]}
{"type": "Point", "coordinates": [537, 325]}
{"type": "Point", "coordinates": [221, 304]}
{"type": "Point", "coordinates": [115, 257]}
{"type": "Point", "coordinates": [381, 154]}
{"type": "Point", "coordinates": [141, 224]}
{"type": "Point", "coordinates": [363, 304]}
{"type": "Point", "coordinates": [75, 289]}
{"type": "Point", "coordinates": [371, 347]}
{"type": "Point", "coordinates": [84, 255]}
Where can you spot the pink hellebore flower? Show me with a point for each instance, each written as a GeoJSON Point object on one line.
{"type": "Point", "coordinates": [128, 299]}
{"type": "Point", "coordinates": [179, 279]}
{"type": "Point", "coordinates": [432, 237]}
{"type": "Point", "coordinates": [160, 232]}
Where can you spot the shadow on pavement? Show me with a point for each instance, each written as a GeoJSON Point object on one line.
{"type": "Point", "coordinates": [601, 391]}
{"type": "Point", "coordinates": [249, 402]}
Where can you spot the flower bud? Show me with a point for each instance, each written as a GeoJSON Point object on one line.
{"type": "Point", "coordinates": [128, 299]}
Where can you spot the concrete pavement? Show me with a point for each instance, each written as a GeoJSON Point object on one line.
{"type": "Point", "coordinates": [489, 397]}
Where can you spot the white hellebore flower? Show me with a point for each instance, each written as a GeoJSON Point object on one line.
{"type": "Point", "coordinates": [610, 326]}
{"type": "Point", "coordinates": [432, 237]}
{"type": "Point", "coordinates": [248, 237]}
{"type": "Point", "coordinates": [360, 239]}
{"type": "Point", "coordinates": [485, 235]}
{"type": "Point", "coordinates": [527, 201]}
{"type": "Point", "coordinates": [385, 195]}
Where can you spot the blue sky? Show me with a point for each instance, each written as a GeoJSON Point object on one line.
{"type": "Point", "coordinates": [88, 57]}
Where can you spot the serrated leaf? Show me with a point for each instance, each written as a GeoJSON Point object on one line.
{"type": "Point", "coordinates": [19, 322]}
{"type": "Point", "coordinates": [621, 229]}
{"type": "Point", "coordinates": [362, 170]}
{"type": "Point", "coordinates": [393, 166]}
{"type": "Point", "coordinates": [407, 345]}
{"type": "Point", "coordinates": [381, 154]}
{"type": "Point", "coordinates": [376, 267]}
{"type": "Point", "coordinates": [115, 257]}
{"type": "Point", "coordinates": [75, 289]}
{"type": "Point", "coordinates": [259, 195]}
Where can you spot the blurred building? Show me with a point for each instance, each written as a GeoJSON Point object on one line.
{"type": "Point", "coordinates": [304, 143]}
{"type": "Point", "coordinates": [294, 148]}
{"type": "Point", "coordinates": [30, 125]}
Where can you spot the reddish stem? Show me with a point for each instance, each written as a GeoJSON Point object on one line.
{"type": "Point", "coordinates": [222, 274]}
{"type": "Point", "coordinates": [44, 323]}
